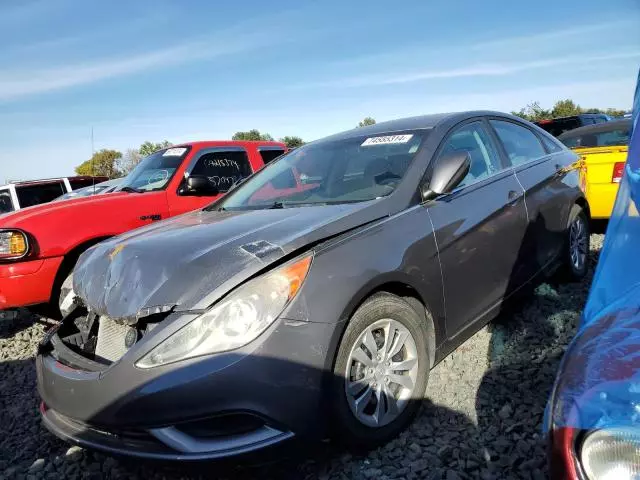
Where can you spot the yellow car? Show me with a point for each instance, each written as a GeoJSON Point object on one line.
{"type": "Point", "coordinates": [603, 149]}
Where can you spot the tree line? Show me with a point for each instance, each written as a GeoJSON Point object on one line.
{"type": "Point", "coordinates": [562, 108]}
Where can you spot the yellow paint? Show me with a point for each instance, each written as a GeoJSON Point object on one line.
{"type": "Point", "coordinates": [600, 191]}
{"type": "Point", "coordinates": [117, 249]}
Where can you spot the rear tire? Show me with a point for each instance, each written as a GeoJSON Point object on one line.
{"type": "Point", "coordinates": [576, 245]}
{"type": "Point", "coordinates": [380, 373]}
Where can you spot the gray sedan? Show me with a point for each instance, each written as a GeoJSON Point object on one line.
{"type": "Point", "coordinates": [317, 295]}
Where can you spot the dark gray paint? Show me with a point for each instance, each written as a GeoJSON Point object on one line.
{"type": "Point", "coordinates": [461, 254]}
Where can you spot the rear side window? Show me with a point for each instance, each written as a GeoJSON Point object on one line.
{"type": "Point", "coordinates": [268, 155]}
{"type": "Point", "coordinates": [29, 195]}
{"type": "Point", "coordinates": [520, 143]}
{"type": "Point", "coordinates": [550, 145]}
{"type": "Point", "coordinates": [6, 205]}
{"type": "Point", "coordinates": [223, 168]}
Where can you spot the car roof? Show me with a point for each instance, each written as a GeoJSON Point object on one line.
{"type": "Point", "coordinates": [597, 128]}
{"type": "Point", "coordinates": [416, 123]}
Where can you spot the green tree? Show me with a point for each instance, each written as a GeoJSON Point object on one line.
{"type": "Point", "coordinates": [104, 162]}
{"type": "Point", "coordinates": [252, 135]}
{"type": "Point", "coordinates": [292, 142]}
{"type": "Point", "coordinates": [366, 122]}
{"type": "Point", "coordinates": [533, 112]}
{"type": "Point", "coordinates": [147, 148]}
{"type": "Point", "coordinates": [129, 160]}
{"type": "Point", "coordinates": [565, 108]}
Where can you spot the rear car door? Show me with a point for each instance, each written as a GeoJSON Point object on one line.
{"type": "Point", "coordinates": [223, 166]}
{"type": "Point", "coordinates": [540, 169]}
{"type": "Point", "coordinates": [479, 228]}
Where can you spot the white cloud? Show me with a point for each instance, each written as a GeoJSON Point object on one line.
{"type": "Point", "coordinates": [555, 35]}
{"type": "Point", "coordinates": [479, 70]}
{"type": "Point", "coordinates": [16, 84]}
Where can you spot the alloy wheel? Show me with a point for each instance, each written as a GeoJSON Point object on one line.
{"type": "Point", "coordinates": [381, 372]}
{"type": "Point", "coordinates": [578, 243]}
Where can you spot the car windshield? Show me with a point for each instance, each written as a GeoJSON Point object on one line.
{"type": "Point", "coordinates": [618, 136]}
{"type": "Point", "coordinates": [155, 171]}
{"type": "Point", "coordinates": [349, 170]}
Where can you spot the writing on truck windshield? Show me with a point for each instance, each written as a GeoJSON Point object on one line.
{"type": "Point", "coordinates": [332, 171]}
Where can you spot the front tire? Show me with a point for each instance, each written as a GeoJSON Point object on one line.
{"type": "Point", "coordinates": [380, 373]}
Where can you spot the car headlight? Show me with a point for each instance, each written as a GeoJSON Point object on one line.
{"type": "Point", "coordinates": [611, 454]}
{"type": "Point", "coordinates": [236, 320]}
{"type": "Point", "coordinates": [13, 244]}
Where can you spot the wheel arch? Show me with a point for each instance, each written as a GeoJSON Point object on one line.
{"type": "Point", "coordinates": [584, 204]}
{"type": "Point", "coordinates": [70, 259]}
{"type": "Point", "coordinates": [401, 287]}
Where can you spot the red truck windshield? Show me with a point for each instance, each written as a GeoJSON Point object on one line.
{"type": "Point", "coordinates": [155, 171]}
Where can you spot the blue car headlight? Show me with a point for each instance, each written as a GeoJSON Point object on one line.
{"type": "Point", "coordinates": [236, 320]}
{"type": "Point", "coordinates": [611, 454]}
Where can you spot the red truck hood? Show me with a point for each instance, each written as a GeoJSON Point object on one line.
{"type": "Point", "coordinates": [23, 216]}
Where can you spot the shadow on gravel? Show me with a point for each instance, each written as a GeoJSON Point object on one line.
{"type": "Point", "coordinates": [12, 322]}
{"type": "Point", "coordinates": [527, 343]}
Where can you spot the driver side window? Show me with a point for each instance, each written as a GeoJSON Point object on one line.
{"type": "Point", "coordinates": [474, 139]}
{"type": "Point", "coordinates": [223, 169]}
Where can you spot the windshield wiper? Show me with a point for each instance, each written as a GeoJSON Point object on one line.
{"type": "Point", "coordinates": [131, 190]}
{"type": "Point", "coordinates": [276, 204]}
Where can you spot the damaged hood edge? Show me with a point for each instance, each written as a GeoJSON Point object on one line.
{"type": "Point", "coordinates": [189, 262]}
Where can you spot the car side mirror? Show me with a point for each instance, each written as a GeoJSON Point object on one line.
{"type": "Point", "coordinates": [199, 186]}
{"type": "Point", "coordinates": [447, 175]}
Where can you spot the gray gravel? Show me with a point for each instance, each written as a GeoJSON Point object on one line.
{"type": "Point", "coordinates": [482, 419]}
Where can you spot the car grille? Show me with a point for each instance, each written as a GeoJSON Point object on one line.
{"type": "Point", "coordinates": [111, 344]}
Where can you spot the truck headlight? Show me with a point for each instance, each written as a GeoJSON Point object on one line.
{"type": "Point", "coordinates": [14, 244]}
{"type": "Point", "coordinates": [611, 454]}
{"type": "Point", "coordinates": [236, 320]}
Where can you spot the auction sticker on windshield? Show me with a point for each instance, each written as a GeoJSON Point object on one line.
{"type": "Point", "coordinates": [174, 152]}
{"type": "Point", "coordinates": [386, 140]}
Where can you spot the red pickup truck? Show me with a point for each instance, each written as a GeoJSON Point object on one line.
{"type": "Point", "coordinates": [40, 245]}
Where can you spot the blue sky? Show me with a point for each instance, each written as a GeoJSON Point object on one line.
{"type": "Point", "coordinates": [154, 70]}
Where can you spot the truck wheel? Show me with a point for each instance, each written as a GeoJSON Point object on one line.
{"type": "Point", "coordinates": [67, 295]}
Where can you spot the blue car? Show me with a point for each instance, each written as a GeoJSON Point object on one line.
{"type": "Point", "coordinates": [593, 416]}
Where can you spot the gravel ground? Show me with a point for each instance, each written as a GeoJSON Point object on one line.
{"type": "Point", "coordinates": [482, 418]}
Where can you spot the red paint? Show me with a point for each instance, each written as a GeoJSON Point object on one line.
{"type": "Point", "coordinates": [618, 170]}
{"type": "Point", "coordinates": [57, 228]}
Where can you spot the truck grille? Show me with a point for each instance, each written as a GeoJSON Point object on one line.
{"type": "Point", "coordinates": [111, 344]}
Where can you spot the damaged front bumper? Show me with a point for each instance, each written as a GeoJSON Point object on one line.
{"type": "Point", "coordinates": [203, 408]}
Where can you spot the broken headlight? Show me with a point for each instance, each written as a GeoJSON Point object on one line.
{"type": "Point", "coordinates": [236, 320]}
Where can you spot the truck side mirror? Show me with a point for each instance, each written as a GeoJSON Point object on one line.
{"type": "Point", "coordinates": [199, 186]}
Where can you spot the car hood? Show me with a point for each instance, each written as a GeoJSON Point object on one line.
{"type": "Point", "coordinates": [21, 217]}
{"type": "Point", "coordinates": [188, 262]}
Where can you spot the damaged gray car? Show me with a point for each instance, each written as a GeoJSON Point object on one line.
{"type": "Point", "coordinates": [315, 297]}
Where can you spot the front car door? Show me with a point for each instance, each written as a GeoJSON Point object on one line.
{"type": "Point", "coordinates": [479, 228]}
{"type": "Point", "coordinates": [539, 165]}
{"type": "Point", "coordinates": [223, 166]}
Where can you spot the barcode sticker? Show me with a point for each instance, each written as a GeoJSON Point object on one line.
{"type": "Point", "coordinates": [386, 140]}
{"type": "Point", "coordinates": [174, 152]}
